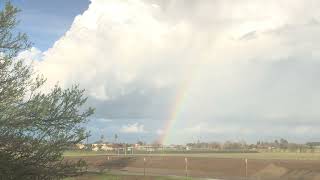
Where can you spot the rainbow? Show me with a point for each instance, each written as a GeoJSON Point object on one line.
{"type": "Point", "coordinates": [178, 106]}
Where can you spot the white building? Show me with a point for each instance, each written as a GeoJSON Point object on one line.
{"type": "Point", "coordinates": [80, 146]}
{"type": "Point", "coordinates": [106, 147]}
{"type": "Point", "coordinates": [102, 147]}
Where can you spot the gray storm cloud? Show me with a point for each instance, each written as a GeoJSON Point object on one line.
{"type": "Point", "coordinates": [243, 66]}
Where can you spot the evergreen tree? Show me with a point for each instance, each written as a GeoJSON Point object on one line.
{"type": "Point", "coordinates": [35, 127]}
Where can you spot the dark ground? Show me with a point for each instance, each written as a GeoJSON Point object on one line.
{"type": "Point", "coordinates": [226, 168]}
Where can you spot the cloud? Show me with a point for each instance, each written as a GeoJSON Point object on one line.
{"type": "Point", "coordinates": [250, 69]}
{"type": "Point", "coordinates": [104, 120]}
{"type": "Point", "coordinates": [133, 128]}
{"type": "Point", "coordinates": [205, 128]}
{"type": "Point", "coordinates": [31, 56]}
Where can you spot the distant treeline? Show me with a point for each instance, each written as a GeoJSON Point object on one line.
{"type": "Point", "coordinates": [276, 145]}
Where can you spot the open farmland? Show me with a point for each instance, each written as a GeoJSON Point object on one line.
{"type": "Point", "coordinates": [214, 165]}
{"type": "Point", "coordinates": [107, 176]}
{"type": "Point", "coordinates": [262, 155]}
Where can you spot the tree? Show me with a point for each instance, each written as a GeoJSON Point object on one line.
{"type": "Point", "coordinates": [283, 143]}
{"type": "Point", "coordinates": [140, 143]}
{"type": "Point", "coordinates": [35, 127]}
{"type": "Point", "coordinates": [101, 140]}
{"type": "Point", "coordinates": [115, 138]}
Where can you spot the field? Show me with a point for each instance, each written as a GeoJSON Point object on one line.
{"type": "Point", "coordinates": [209, 165]}
{"type": "Point", "coordinates": [106, 176]}
{"type": "Point", "coordinates": [264, 155]}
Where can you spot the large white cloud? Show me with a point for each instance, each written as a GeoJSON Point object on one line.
{"type": "Point", "coordinates": [249, 63]}
{"type": "Point", "coordinates": [133, 128]}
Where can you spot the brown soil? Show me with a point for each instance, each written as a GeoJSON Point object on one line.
{"type": "Point", "coordinates": [207, 167]}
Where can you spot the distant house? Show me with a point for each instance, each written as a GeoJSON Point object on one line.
{"type": "Point", "coordinates": [130, 149]}
{"type": "Point", "coordinates": [315, 145]}
{"type": "Point", "coordinates": [172, 147]}
{"type": "Point", "coordinates": [80, 146]}
{"type": "Point", "coordinates": [95, 147]}
{"type": "Point", "coordinates": [106, 147]}
{"type": "Point", "coordinates": [148, 148]}
{"type": "Point", "coordinates": [271, 147]}
{"type": "Point", "coordinates": [102, 147]}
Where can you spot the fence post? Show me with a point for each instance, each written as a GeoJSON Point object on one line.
{"type": "Point", "coordinates": [144, 166]}
{"type": "Point", "coordinates": [186, 163]}
{"type": "Point", "coordinates": [246, 162]}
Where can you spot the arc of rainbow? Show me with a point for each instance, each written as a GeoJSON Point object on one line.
{"type": "Point", "coordinates": [175, 111]}
{"type": "Point", "coordinates": [178, 105]}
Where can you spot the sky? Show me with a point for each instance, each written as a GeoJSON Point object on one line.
{"type": "Point", "coordinates": [46, 21]}
{"type": "Point", "coordinates": [179, 71]}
